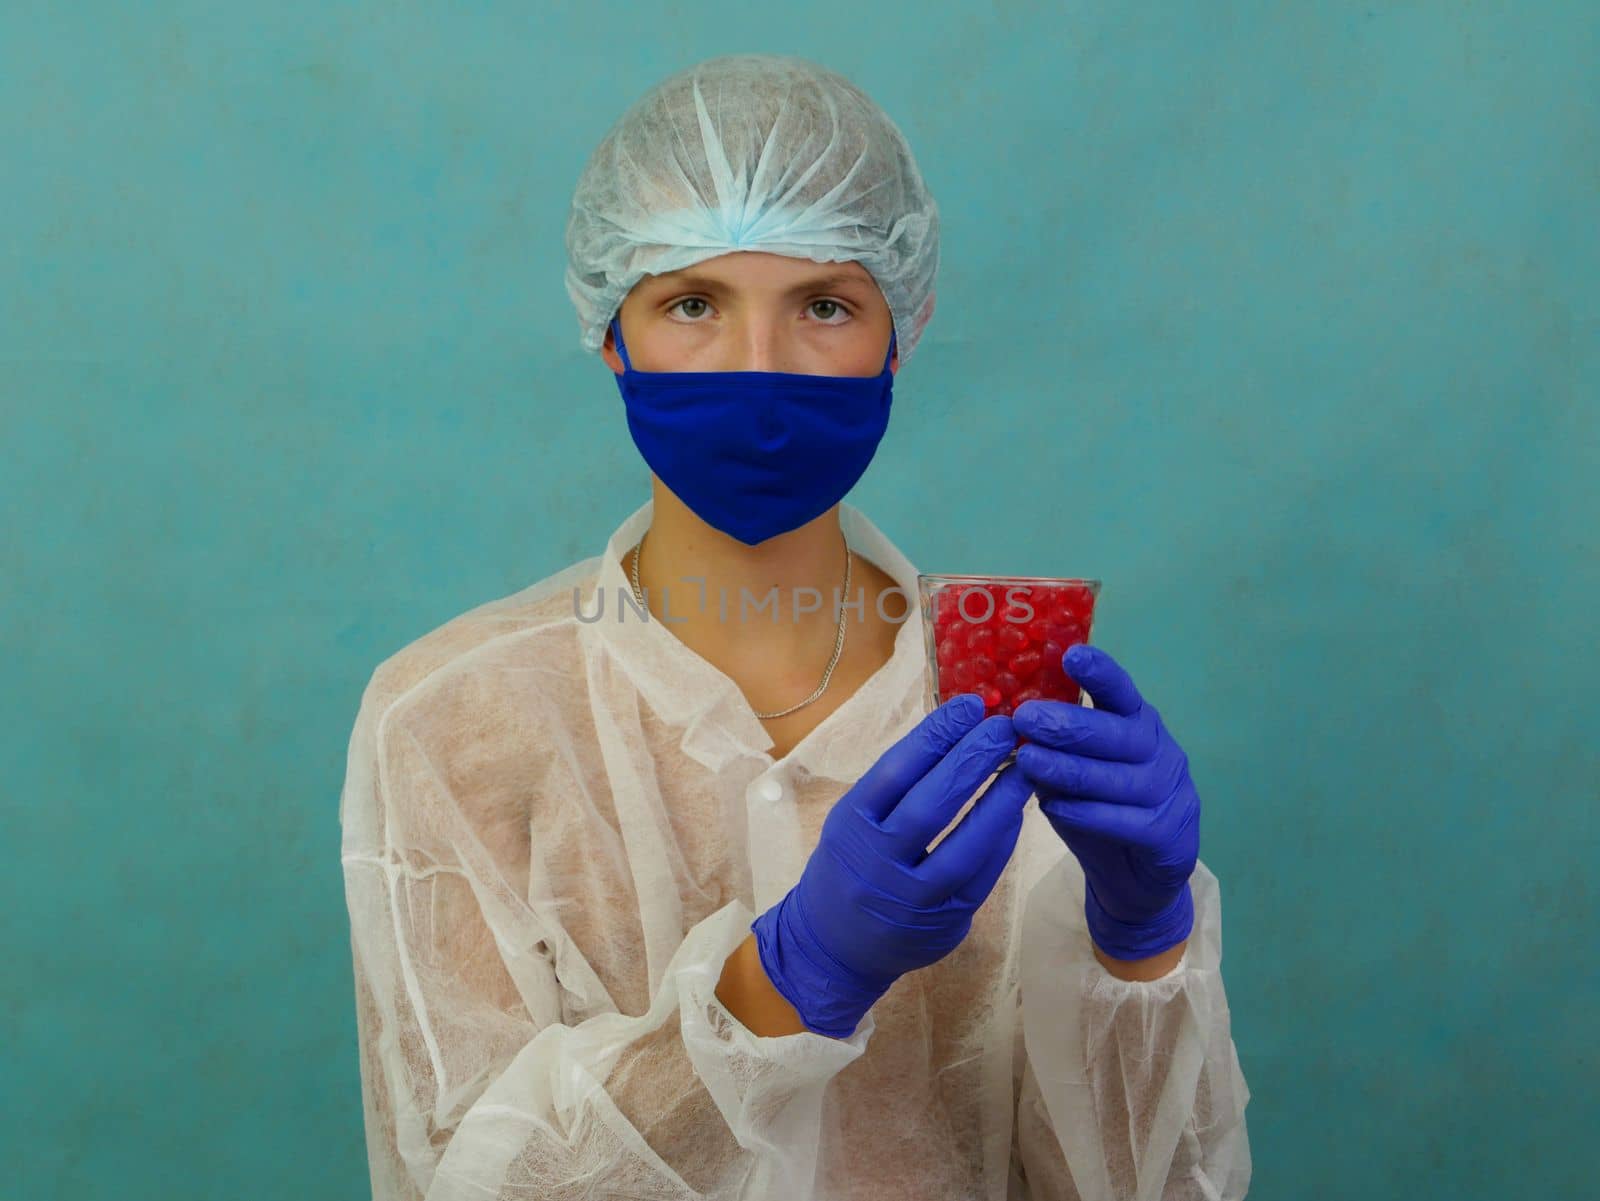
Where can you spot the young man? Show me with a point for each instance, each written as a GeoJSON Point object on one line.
{"type": "Point", "coordinates": [644, 907]}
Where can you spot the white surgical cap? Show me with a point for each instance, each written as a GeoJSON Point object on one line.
{"type": "Point", "coordinates": [752, 152]}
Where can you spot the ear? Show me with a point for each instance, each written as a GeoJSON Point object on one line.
{"type": "Point", "coordinates": [608, 351]}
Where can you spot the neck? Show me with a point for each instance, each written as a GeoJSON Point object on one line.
{"type": "Point", "coordinates": [679, 545]}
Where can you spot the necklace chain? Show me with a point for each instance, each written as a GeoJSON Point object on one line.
{"type": "Point", "coordinates": [838, 640]}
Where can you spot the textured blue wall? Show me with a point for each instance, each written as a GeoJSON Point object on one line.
{"type": "Point", "coordinates": [1282, 323]}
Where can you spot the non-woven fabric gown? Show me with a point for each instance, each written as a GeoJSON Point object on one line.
{"type": "Point", "coordinates": [555, 832]}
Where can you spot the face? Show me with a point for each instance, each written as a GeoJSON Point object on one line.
{"type": "Point", "coordinates": [753, 311]}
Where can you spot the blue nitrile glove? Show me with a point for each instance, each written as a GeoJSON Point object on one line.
{"type": "Point", "coordinates": [1116, 787]}
{"type": "Point", "coordinates": [872, 904]}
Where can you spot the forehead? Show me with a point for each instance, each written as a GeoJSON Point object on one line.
{"type": "Point", "coordinates": [758, 269]}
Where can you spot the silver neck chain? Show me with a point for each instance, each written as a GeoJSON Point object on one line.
{"type": "Point", "coordinates": [838, 640]}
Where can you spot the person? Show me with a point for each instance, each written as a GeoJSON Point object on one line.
{"type": "Point", "coordinates": [654, 893]}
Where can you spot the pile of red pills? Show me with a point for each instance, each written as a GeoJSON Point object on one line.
{"type": "Point", "coordinates": [1003, 638]}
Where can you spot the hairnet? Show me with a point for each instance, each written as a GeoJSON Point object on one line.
{"type": "Point", "coordinates": [752, 152]}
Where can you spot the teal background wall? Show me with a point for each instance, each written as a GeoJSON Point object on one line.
{"type": "Point", "coordinates": [1282, 320]}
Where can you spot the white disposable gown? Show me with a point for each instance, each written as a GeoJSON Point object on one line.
{"type": "Point", "coordinates": [555, 832]}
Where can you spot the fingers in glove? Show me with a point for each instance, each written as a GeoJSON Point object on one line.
{"type": "Point", "coordinates": [922, 749]}
{"type": "Point", "coordinates": [1064, 726]}
{"type": "Point", "coordinates": [1061, 773]}
{"type": "Point", "coordinates": [986, 837]}
{"type": "Point", "coordinates": [1103, 678]}
{"type": "Point", "coordinates": [932, 803]}
{"type": "Point", "coordinates": [1121, 823]}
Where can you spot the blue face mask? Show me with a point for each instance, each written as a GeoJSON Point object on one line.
{"type": "Point", "coordinates": [756, 453]}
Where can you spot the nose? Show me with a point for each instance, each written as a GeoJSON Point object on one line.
{"type": "Point", "coordinates": [757, 347]}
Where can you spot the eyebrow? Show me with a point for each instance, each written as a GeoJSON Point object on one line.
{"type": "Point", "coordinates": [705, 283]}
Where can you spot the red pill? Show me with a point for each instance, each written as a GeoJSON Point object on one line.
{"type": "Point", "coordinates": [1078, 599]}
{"type": "Point", "coordinates": [1050, 668]}
{"type": "Point", "coordinates": [1025, 663]}
{"type": "Point", "coordinates": [976, 605]}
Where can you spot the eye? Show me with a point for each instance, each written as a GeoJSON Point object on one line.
{"type": "Point", "coordinates": [833, 306]}
{"type": "Point", "coordinates": [693, 316]}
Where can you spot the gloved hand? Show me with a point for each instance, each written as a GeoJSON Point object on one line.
{"type": "Point", "coordinates": [872, 904]}
{"type": "Point", "coordinates": [1115, 785]}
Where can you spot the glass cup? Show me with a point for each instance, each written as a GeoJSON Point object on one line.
{"type": "Point", "coordinates": [1002, 636]}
